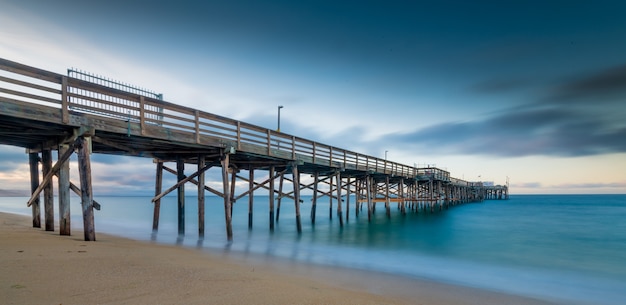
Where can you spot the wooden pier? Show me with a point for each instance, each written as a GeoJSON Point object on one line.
{"type": "Point", "coordinates": [44, 112]}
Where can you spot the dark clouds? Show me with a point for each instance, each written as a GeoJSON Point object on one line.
{"type": "Point", "coordinates": [550, 132]}
{"type": "Point", "coordinates": [600, 86]}
{"type": "Point", "coordinates": [582, 115]}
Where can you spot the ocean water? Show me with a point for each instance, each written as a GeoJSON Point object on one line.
{"type": "Point", "coordinates": [569, 249]}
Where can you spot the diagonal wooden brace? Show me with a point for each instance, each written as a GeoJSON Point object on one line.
{"type": "Point", "coordinates": [51, 173]}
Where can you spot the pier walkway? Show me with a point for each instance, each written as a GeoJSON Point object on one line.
{"type": "Point", "coordinates": [44, 111]}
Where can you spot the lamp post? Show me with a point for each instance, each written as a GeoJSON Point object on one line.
{"type": "Point", "coordinates": [386, 151]}
{"type": "Point", "coordinates": [279, 107]}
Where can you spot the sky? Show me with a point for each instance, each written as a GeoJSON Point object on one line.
{"type": "Point", "coordinates": [532, 91]}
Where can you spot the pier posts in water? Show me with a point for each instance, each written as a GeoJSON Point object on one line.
{"type": "Point", "coordinates": [250, 197]}
{"type": "Point", "coordinates": [330, 196]}
{"type": "Point", "coordinates": [225, 158]}
{"type": "Point", "coordinates": [272, 198]}
{"type": "Point", "coordinates": [401, 195]}
{"type": "Point", "coordinates": [84, 170]}
{"type": "Point", "coordinates": [180, 170]}
{"type": "Point", "coordinates": [64, 193]}
{"type": "Point", "coordinates": [339, 212]}
{"type": "Point", "coordinates": [314, 199]}
{"type": "Point", "coordinates": [201, 180]}
{"type": "Point", "coordinates": [33, 160]}
{"type": "Point", "coordinates": [158, 186]}
{"type": "Point", "coordinates": [348, 199]}
{"type": "Point", "coordinates": [296, 195]}
{"type": "Point", "coordinates": [387, 198]}
{"type": "Point", "coordinates": [280, 196]}
{"type": "Point", "coordinates": [368, 191]}
{"type": "Point", "coordinates": [48, 193]}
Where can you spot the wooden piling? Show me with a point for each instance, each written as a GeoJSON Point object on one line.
{"type": "Point", "coordinates": [180, 174]}
{"type": "Point", "coordinates": [280, 195]}
{"type": "Point", "coordinates": [227, 196]}
{"type": "Point", "coordinates": [368, 190]}
{"type": "Point", "coordinates": [64, 193]}
{"type": "Point", "coordinates": [158, 185]}
{"type": "Point", "coordinates": [339, 211]}
{"type": "Point", "coordinates": [84, 170]}
{"type": "Point", "coordinates": [387, 201]}
{"type": "Point", "coordinates": [348, 199]}
{"type": "Point", "coordinates": [48, 193]}
{"type": "Point", "coordinates": [33, 161]}
{"type": "Point", "coordinates": [402, 197]}
{"type": "Point", "coordinates": [233, 184]}
{"type": "Point", "coordinates": [296, 195]}
{"type": "Point", "coordinates": [359, 191]}
{"type": "Point", "coordinates": [271, 198]}
{"type": "Point", "coordinates": [250, 197]}
{"type": "Point", "coordinates": [314, 202]}
{"type": "Point", "coordinates": [330, 196]}
{"type": "Point", "coordinates": [201, 201]}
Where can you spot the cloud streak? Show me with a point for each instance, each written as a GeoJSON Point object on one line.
{"type": "Point", "coordinates": [600, 86]}
{"type": "Point", "coordinates": [548, 132]}
{"type": "Point", "coordinates": [578, 118]}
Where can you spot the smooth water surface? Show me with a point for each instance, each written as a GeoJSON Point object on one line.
{"type": "Point", "coordinates": [563, 248]}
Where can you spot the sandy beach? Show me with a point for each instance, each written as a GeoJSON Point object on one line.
{"type": "Point", "coordinates": [39, 267]}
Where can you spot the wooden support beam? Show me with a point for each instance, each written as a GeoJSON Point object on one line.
{"type": "Point", "coordinates": [233, 181]}
{"type": "Point", "coordinates": [310, 186]}
{"type": "Point", "coordinates": [33, 161]}
{"type": "Point", "coordinates": [250, 197]}
{"type": "Point", "coordinates": [271, 195]}
{"type": "Point", "coordinates": [48, 193]}
{"type": "Point", "coordinates": [117, 146]}
{"type": "Point", "coordinates": [84, 170]}
{"type": "Point", "coordinates": [64, 194]}
{"type": "Point", "coordinates": [227, 204]}
{"type": "Point", "coordinates": [262, 185]}
{"type": "Point", "coordinates": [184, 180]}
{"type": "Point", "coordinates": [78, 192]}
{"type": "Point", "coordinates": [296, 189]}
{"type": "Point", "coordinates": [339, 211]}
{"type": "Point", "coordinates": [48, 177]}
{"type": "Point", "coordinates": [180, 169]}
{"type": "Point", "coordinates": [314, 199]}
{"type": "Point", "coordinates": [64, 101]}
{"type": "Point", "coordinates": [330, 206]}
{"type": "Point", "coordinates": [201, 171]}
{"type": "Point", "coordinates": [387, 203]}
{"type": "Point", "coordinates": [368, 190]}
{"type": "Point", "coordinates": [280, 191]}
{"type": "Point", "coordinates": [158, 185]}
{"type": "Point", "coordinates": [194, 181]}
{"type": "Point", "coordinates": [403, 203]}
{"type": "Point", "coordinates": [257, 185]}
{"type": "Point", "coordinates": [348, 189]}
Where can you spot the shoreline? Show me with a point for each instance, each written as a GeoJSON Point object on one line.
{"type": "Point", "coordinates": [46, 268]}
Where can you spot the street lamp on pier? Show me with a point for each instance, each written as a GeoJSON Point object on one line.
{"type": "Point", "coordinates": [279, 107]}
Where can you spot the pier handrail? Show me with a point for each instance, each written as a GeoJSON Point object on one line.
{"type": "Point", "coordinates": [76, 95]}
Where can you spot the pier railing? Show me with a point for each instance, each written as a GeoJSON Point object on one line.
{"type": "Point", "coordinates": [25, 84]}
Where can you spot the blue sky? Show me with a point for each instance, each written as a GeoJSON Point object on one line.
{"type": "Point", "coordinates": [532, 90]}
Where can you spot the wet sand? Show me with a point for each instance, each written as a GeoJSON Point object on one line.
{"type": "Point", "coordinates": [39, 267]}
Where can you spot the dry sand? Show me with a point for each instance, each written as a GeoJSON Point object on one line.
{"type": "Point", "coordinates": [38, 267]}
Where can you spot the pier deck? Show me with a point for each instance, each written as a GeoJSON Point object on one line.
{"type": "Point", "coordinates": [44, 111]}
